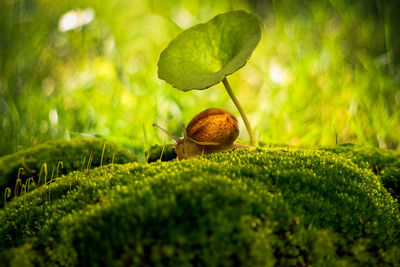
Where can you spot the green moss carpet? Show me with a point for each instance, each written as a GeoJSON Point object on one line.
{"type": "Point", "coordinates": [51, 159]}
{"type": "Point", "coordinates": [263, 207]}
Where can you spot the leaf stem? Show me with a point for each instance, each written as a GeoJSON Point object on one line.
{"type": "Point", "coordinates": [228, 88]}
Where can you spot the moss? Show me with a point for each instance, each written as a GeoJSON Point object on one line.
{"type": "Point", "coordinates": [377, 159]}
{"type": "Point", "coordinates": [157, 152]}
{"type": "Point", "coordinates": [391, 179]}
{"type": "Point", "coordinates": [74, 155]}
{"type": "Point", "coordinates": [384, 163]}
{"type": "Point", "coordinates": [247, 208]}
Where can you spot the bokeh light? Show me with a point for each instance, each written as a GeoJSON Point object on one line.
{"type": "Point", "coordinates": [75, 19]}
{"type": "Point", "coordinates": [325, 72]}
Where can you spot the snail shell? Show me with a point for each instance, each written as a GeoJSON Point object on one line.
{"type": "Point", "coordinates": [212, 130]}
{"type": "Point", "coordinates": [213, 126]}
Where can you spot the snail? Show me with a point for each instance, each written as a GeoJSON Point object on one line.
{"type": "Point", "coordinates": [212, 130]}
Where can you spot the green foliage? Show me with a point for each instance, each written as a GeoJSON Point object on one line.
{"type": "Point", "coordinates": [248, 208]}
{"type": "Point", "coordinates": [54, 158]}
{"type": "Point", "coordinates": [205, 54]}
{"type": "Point", "coordinates": [324, 71]}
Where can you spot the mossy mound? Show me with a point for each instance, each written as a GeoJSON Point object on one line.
{"type": "Point", "coordinates": [377, 159]}
{"type": "Point", "coordinates": [384, 163]}
{"type": "Point", "coordinates": [391, 179]}
{"type": "Point", "coordinates": [245, 208]}
{"type": "Point", "coordinates": [75, 154]}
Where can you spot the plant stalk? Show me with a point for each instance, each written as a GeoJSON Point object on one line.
{"type": "Point", "coordinates": [228, 88]}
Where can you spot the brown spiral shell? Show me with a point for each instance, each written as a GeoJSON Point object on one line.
{"type": "Point", "coordinates": [215, 126]}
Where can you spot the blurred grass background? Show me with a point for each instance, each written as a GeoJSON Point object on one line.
{"type": "Point", "coordinates": [325, 72]}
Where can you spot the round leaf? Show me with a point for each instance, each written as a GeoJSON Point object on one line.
{"type": "Point", "coordinates": [205, 54]}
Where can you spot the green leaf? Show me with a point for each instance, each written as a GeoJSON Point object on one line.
{"type": "Point", "coordinates": [204, 54]}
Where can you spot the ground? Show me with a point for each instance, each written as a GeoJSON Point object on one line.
{"type": "Point", "coordinates": [260, 207]}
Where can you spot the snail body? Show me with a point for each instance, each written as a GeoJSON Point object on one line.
{"type": "Point", "coordinates": [212, 130]}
